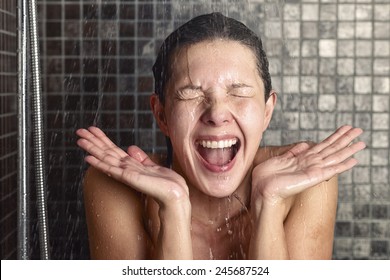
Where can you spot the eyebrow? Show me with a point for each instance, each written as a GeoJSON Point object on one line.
{"type": "Point", "coordinates": [239, 85]}
{"type": "Point", "coordinates": [190, 87]}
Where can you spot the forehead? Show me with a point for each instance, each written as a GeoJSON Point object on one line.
{"type": "Point", "coordinates": [214, 58]}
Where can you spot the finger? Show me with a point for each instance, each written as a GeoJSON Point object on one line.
{"type": "Point", "coordinates": [344, 141]}
{"type": "Point", "coordinates": [132, 177]}
{"type": "Point", "coordinates": [331, 139]}
{"type": "Point", "coordinates": [99, 153]}
{"type": "Point", "coordinates": [297, 150]}
{"type": "Point", "coordinates": [344, 154]}
{"type": "Point", "coordinates": [99, 139]}
{"type": "Point", "coordinates": [140, 156]}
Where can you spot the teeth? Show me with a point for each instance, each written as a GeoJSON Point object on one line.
{"type": "Point", "coordinates": [218, 144]}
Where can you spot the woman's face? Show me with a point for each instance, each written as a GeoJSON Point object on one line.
{"type": "Point", "coordinates": [215, 114]}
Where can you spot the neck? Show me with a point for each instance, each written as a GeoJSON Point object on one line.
{"type": "Point", "coordinates": [215, 211]}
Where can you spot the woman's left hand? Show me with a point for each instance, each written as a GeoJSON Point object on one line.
{"type": "Point", "coordinates": [304, 166]}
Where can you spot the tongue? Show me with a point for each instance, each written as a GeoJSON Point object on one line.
{"type": "Point", "coordinates": [217, 156]}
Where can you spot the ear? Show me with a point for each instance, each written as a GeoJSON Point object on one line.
{"type": "Point", "coordinates": [269, 108]}
{"type": "Point", "coordinates": [159, 113]}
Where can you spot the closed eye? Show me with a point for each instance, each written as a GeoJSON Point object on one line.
{"type": "Point", "coordinates": [189, 93]}
{"type": "Point", "coordinates": [241, 90]}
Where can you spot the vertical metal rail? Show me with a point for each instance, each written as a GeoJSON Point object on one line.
{"type": "Point", "coordinates": [23, 178]}
{"type": "Point", "coordinates": [38, 136]}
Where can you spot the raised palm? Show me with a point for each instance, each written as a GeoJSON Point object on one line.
{"type": "Point", "coordinates": [305, 166]}
{"type": "Point", "coordinates": [133, 168]}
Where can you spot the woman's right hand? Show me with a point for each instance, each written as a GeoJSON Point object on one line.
{"type": "Point", "coordinates": [133, 168]}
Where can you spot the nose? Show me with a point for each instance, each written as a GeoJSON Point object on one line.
{"type": "Point", "coordinates": [217, 113]}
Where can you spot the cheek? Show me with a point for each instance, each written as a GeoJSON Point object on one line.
{"type": "Point", "coordinates": [250, 114]}
{"type": "Point", "coordinates": [181, 119]}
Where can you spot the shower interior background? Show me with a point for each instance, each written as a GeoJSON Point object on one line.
{"type": "Point", "coordinates": [330, 63]}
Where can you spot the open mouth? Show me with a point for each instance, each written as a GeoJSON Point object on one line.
{"type": "Point", "coordinates": [220, 153]}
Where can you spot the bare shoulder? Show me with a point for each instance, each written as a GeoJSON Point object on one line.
{"type": "Point", "coordinates": [113, 210]}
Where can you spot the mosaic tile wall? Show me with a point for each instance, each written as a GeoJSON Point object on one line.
{"type": "Point", "coordinates": [8, 129]}
{"type": "Point", "coordinates": [330, 62]}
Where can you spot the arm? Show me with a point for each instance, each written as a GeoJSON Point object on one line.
{"type": "Point", "coordinates": [133, 172]}
{"type": "Point", "coordinates": [294, 198]}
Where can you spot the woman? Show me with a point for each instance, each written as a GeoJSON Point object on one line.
{"type": "Point", "coordinates": [219, 195]}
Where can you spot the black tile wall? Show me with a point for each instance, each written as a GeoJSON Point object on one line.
{"type": "Point", "coordinates": [8, 129]}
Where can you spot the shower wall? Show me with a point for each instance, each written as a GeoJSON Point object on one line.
{"type": "Point", "coordinates": [8, 128]}
{"type": "Point", "coordinates": [330, 62]}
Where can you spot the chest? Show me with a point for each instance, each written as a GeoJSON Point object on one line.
{"type": "Point", "coordinates": [228, 241]}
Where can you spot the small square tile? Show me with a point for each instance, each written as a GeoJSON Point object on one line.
{"type": "Point", "coordinates": [361, 175]}
{"type": "Point", "coordinates": [309, 66]}
{"type": "Point", "coordinates": [344, 85]}
{"type": "Point", "coordinates": [346, 193]}
{"type": "Point", "coordinates": [379, 211]}
{"type": "Point", "coordinates": [290, 84]}
{"type": "Point", "coordinates": [361, 211]}
{"type": "Point", "coordinates": [345, 48]}
{"type": "Point", "coordinates": [291, 66]}
{"type": "Point", "coordinates": [381, 103]}
{"type": "Point", "coordinates": [346, 30]}
{"type": "Point", "coordinates": [363, 85]}
{"type": "Point", "coordinates": [310, 12]}
{"type": "Point", "coordinates": [291, 11]}
{"type": "Point", "coordinates": [380, 192]}
{"type": "Point", "coordinates": [327, 103]}
{"type": "Point", "coordinates": [326, 121]}
{"type": "Point", "coordinates": [309, 48]}
{"type": "Point", "coordinates": [309, 84]}
{"type": "Point", "coordinates": [345, 66]}
{"type": "Point", "coordinates": [327, 66]}
{"type": "Point", "coordinates": [363, 157]}
{"type": "Point", "coordinates": [379, 229]}
{"type": "Point", "coordinates": [382, 66]}
{"type": "Point", "coordinates": [363, 120]}
{"type": "Point", "coordinates": [291, 30]}
{"type": "Point", "coordinates": [362, 103]}
{"type": "Point", "coordinates": [309, 30]}
{"type": "Point", "coordinates": [362, 192]}
{"type": "Point", "coordinates": [363, 67]}
{"type": "Point", "coordinates": [346, 12]}
{"type": "Point", "coordinates": [380, 175]}
{"type": "Point", "coordinates": [344, 211]}
{"type": "Point", "coordinates": [328, 12]}
{"type": "Point", "coordinates": [326, 85]}
{"type": "Point", "coordinates": [291, 120]}
{"type": "Point", "coordinates": [327, 30]}
{"type": "Point", "coordinates": [380, 121]}
{"type": "Point", "coordinates": [342, 248]}
{"type": "Point", "coordinates": [327, 48]}
{"type": "Point", "coordinates": [382, 85]}
{"type": "Point", "coordinates": [379, 249]}
{"type": "Point", "coordinates": [345, 103]}
{"type": "Point", "coordinates": [363, 48]}
{"type": "Point", "coordinates": [380, 139]}
{"type": "Point", "coordinates": [361, 229]}
{"type": "Point", "coordinates": [381, 30]}
{"type": "Point", "coordinates": [363, 12]}
{"type": "Point", "coordinates": [380, 157]}
{"type": "Point", "coordinates": [361, 248]}
{"type": "Point", "coordinates": [308, 120]}
{"type": "Point", "coordinates": [343, 229]}
{"type": "Point", "coordinates": [382, 11]}
{"type": "Point", "coordinates": [381, 48]}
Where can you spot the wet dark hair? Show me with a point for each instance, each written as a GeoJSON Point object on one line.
{"type": "Point", "coordinates": [202, 28]}
{"type": "Point", "coordinates": [199, 29]}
